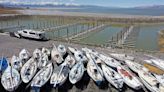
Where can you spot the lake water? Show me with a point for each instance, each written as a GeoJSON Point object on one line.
{"type": "Point", "coordinates": [147, 39]}
{"type": "Point", "coordinates": [128, 11]}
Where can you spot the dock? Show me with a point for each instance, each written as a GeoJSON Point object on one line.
{"type": "Point", "coordinates": [61, 27]}
{"type": "Point", "coordinates": [126, 37]}
{"type": "Point", "coordinates": [93, 29]}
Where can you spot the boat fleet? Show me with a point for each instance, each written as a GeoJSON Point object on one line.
{"type": "Point", "coordinates": [59, 63]}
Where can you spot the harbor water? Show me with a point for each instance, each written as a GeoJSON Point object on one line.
{"type": "Point", "coordinates": [147, 39]}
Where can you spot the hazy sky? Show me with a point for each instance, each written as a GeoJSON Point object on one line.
{"type": "Point", "coordinates": [109, 3]}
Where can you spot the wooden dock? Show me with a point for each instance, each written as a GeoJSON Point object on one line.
{"type": "Point", "coordinates": [126, 37]}
{"type": "Point", "coordinates": [93, 29]}
{"type": "Point", "coordinates": [11, 27]}
{"type": "Point", "coordinates": [61, 27]}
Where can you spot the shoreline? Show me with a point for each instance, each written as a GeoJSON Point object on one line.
{"type": "Point", "coordinates": [83, 15]}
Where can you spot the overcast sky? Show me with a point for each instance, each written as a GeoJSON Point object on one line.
{"type": "Point", "coordinates": [109, 3]}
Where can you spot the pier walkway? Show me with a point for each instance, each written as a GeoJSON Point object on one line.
{"type": "Point", "coordinates": [126, 37]}
{"type": "Point", "coordinates": [11, 27]}
{"type": "Point", "coordinates": [93, 29]}
{"type": "Point", "coordinates": [61, 27]}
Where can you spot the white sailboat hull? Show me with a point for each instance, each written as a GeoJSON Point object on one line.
{"type": "Point", "coordinates": [76, 73]}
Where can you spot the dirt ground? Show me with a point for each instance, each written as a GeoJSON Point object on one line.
{"type": "Point", "coordinates": [8, 11]}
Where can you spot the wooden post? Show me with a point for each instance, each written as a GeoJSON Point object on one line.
{"type": "Point", "coordinates": [53, 23]}
{"type": "Point", "coordinates": [47, 25]}
{"type": "Point", "coordinates": [58, 33]}
{"type": "Point", "coordinates": [37, 26]}
{"type": "Point", "coordinates": [1, 24]}
{"type": "Point", "coordinates": [28, 26]}
{"type": "Point", "coordinates": [33, 26]}
{"type": "Point", "coordinates": [67, 33]}
{"type": "Point", "coordinates": [7, 24]}
{"type": "Point", "coordinates": [40, 24]}
{"type": "Point", "coordinates": [44, 24]}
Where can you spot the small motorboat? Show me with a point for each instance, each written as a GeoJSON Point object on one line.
{"type": "Point", "coordinates": [56, 55]}
{"type": "Point", "coordinates": [135, 67]}
{"type": "Point", "coordinates": [3, 64]}
{"type": "Point", "coordinates": [112, 76]}
{"type": "Point", "coordinates": [76, 73]}
{"type": "Point", "coordinates": [62, 49]}
{"type": "Point", "coordinates": [70, 61]}
{"type": "Point", "coordinates": [60, 74]}
{"type": "Point", "coordinates": [122, 57]}
{"type": "Point", "coordinates": [37, 54]}
{"type": "Point", "coordinates": [43, 62]}
{"type": "Point", "coordinates": [150, 82]}
{"type": "Point", "coordinates": [28, 70]}
{"type": "Point", "coordinates": [16, 63]}
{"type": "Point", "coordinates": [24, 55]}
{"type": "Point", "coordinates": [109, 61]}
{"type": "Point", "coordinates": [42, 76]}
{"type": "Point", "coordinates": [10, 79]}
{"type": "Point", "coordinates": [129, 78]}
{"type": "Point", "coordinates": [46, 51]}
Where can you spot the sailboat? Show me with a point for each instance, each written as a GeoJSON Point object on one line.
{"type": "Point", "coordinates": [135, 67]}
{"type": "Point", "coordinates": [122, 56]}
{"type": "Point", "coordinates": [150, 82]}
{"type": "Point", "coordinates": [72, 50]}
{"type": "Point", "coordinates": [3, 64]}
{"type": "Point", "coordinates": [109, 61]}
{"type": "Point", "coordinates": [70, 61]}
{"type": "Point", "coordinates": [94, 71]}
{"type": "Point", "coordinates": [16, 63]}
{"type": "Point", "coordinates": [60, 74]}
{"type": "Point", "coordinates": [43, 61]}
{"type": "Point", "coordinates": [158, 62]}
{"type": "Point", "coordinates": [129, 78]}
{"type": "Point", "coordinates": [159, 77]}
{"type": "Point", "coordinates": [10, 79]}
{"type": "Point", "coordinates": [37, 54]}
{"type": "Point", "coordinates": [79, 56]}
{"type": "Point", "coordinates": [42, 76]}
{"type": "Point", "coordinates": [62, 49]}
{"type": "Point", "coordinates": [28, 70]}
{"type": "Point", "coordinates": [24, 55]}
{"type": "Point", "coordinates": [112, 76]}
{"type": "Point", "coordinates": [87, 50]}
{"type": "Point", "coordinates": [56, 55]}
{"type": "Point", "coordinates": [76, 72]}
{"type": "Point", "coordinates": [46, 51]}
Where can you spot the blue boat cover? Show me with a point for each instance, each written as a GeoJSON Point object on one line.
{"type": "Point", "coordinates": [3, 64]}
